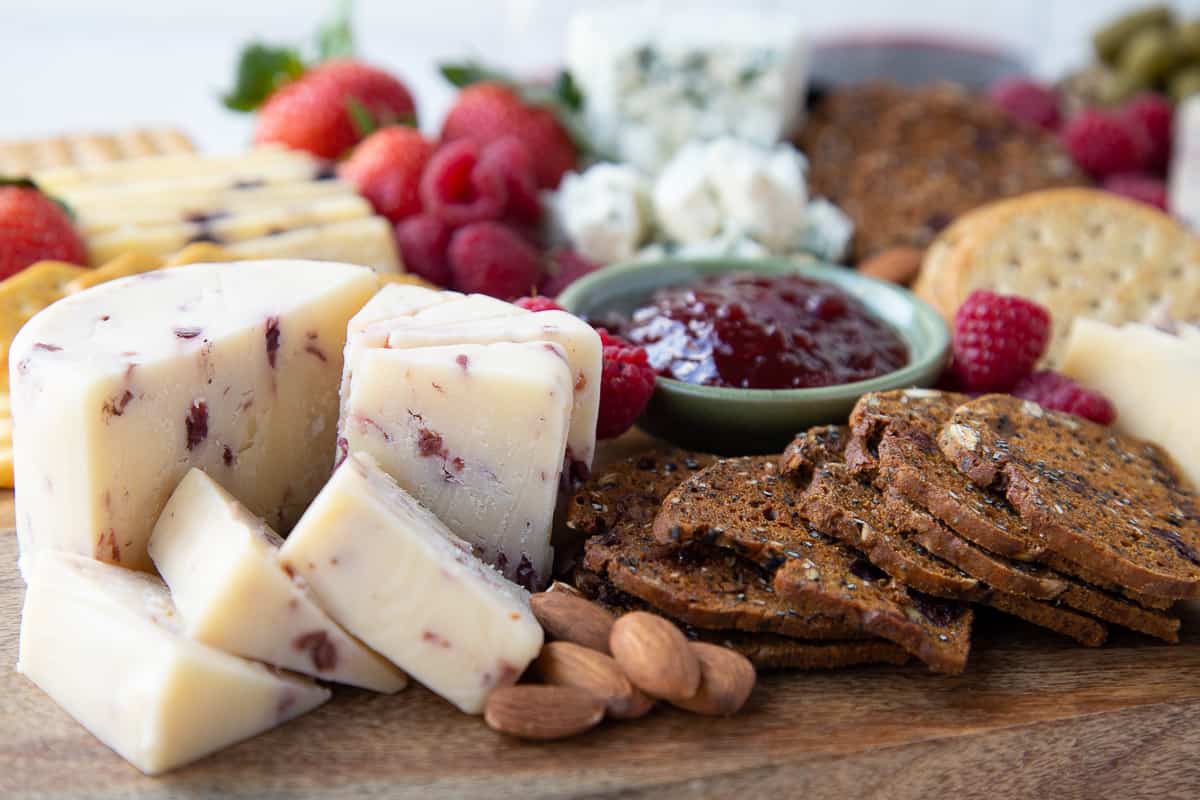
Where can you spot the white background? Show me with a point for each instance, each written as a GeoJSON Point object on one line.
{"type": "Point", "coordinates": [73, 65]}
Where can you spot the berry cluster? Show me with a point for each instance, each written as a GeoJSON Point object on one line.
{"type": "Point", "coordinates": [467, 210]}
{"type": "Point", "coordinates": [998, 340]}
{"type": "Point", "coordinates": [1127, 149]}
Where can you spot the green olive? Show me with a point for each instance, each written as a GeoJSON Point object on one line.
{"type": "Point", "coordinates": [1149, 55]}
{"type": "Point", "coordinates": [1120, 86]}
{"type": "Point", "coordinates": [1185, 83]}
{"type": "Point", "coordinates": [1188, 37]}
{"type": "Point", "coordinates": [1110, 40]}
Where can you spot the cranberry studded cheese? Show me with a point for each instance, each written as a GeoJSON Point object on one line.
{"type": "Point", "coordinates": [119, 390]}
{"type": "Point", "coordinates": [388, 570]}
{"type": "Point", "coordinates": [221, 564]}
{"type": "Point", "coordinates": [107, 644]}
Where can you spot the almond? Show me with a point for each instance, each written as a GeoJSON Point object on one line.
{"type": "Point", "coordinates": [573, 618]}
{"type": "Point", "coordinates": [727, 678]}
{"type": "Point", "coordinates": [655, 656]}
{"type": "Point", "coordinates": [542, 712]}
{"type": "Point", "coordinates": [896, 265]}
{"type": "Point", "coordinates": [569, 664]}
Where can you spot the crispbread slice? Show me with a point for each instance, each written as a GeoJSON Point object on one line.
{"type": "Point", "coordinates": [935, 631]}
{"type": "Point", "coordinates": [743, 504]}
{"type": "Point", "coordinates": [1079, 627]}
{"type": "Point", "coordinates": [910, 463]}
{"type": "Point", "coordinates": [1101, 499]}
{"type": "Point", "coordinates": [1078, 252]}
{"type": "Point", "coordinates": [705, 587]}
{"type": "Point", "coordinates": [878, 412]}
{"type": "Point", "coordinates": [765, 650]}
{"type": "Point", "coordinates": [811, 449]}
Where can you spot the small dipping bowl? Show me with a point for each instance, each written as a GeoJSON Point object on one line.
{"type": "Point", "coordinates": [728, 420]}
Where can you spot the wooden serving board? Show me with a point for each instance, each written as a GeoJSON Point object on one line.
{"type": "Point", "coordinates": [1034, 716]}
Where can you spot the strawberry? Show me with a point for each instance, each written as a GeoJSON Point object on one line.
{"type": "Point", "coordinates": [34, 228]}
{"type": "Point", "coordinates": [386, 168]}
{"type": "Point", "coordinates": [489, 111]}
{"type": "Point", "coordinates": [331, 107]}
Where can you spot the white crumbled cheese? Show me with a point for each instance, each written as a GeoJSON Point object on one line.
{"type": "Point", "coordinates": [654, 79]}
{"type": "Point", "coordinates": [730, 245]}
{"type": "Point", "coordinates": [828, 231]}
{"type": "Point", "coordinates": [761, 191]}
{"type": "Point", "coordinates": [1184, 200]}
{"type": "Point", "coordinates": [604, 212]}
{"type": "Point", "coordinates": [686, 203]}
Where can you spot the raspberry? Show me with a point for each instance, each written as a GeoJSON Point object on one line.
{"type": "Point", "coordinates": [423, 241]}
{"type": "Point", "coordinates": [538, 303]}
{"type": "Point", "coordinates": [569, 267]}
{"type": "Point", "coordinates": [626, 385]}
{"type": "Point", "coordinates": [1153, 116]}
{"type": "Point", "coordinates": [508, 161]}
{"type": "Point", "coordinates": [386, 168]}
{"type": "Point", "coordinates": [1104, 143]}
{"type": "Point", "coordinates": [1139, 186]}
{"type": "Point", "coordinates": [454, 191]}
{"type": "Point", "coordinates": [1028, 101]}
{"type": "Point", "coordinates": [489, 257]}
{"type": "Point", "coordinates": [1060, 393]}
{"type": "Point", "coordinates": [997, 340]}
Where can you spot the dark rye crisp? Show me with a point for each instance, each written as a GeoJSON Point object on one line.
{"type": "Point", "coordinates": [903, 163]}
{"type": "Point", "coordinates": [893, 437]}
{"type": "Point", "coordinates": [742, 504]}
{"type": "Point", "coordinates": [1110, 502]}
{"type": "Point", "coordinates": [812, 448]}
{"type": "Point", "coordinates": [705, 589]}
{"type": "Point", "coordinates": [765, 650]}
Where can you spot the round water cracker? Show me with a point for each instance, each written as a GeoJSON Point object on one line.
{"type": "Point", "coordinates": [1080, 253]}
{"type": "Point", "coordinates": [25, 294]}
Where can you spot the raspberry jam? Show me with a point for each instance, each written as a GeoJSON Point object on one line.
{"type": "Point", "coordinates": [764, 332]}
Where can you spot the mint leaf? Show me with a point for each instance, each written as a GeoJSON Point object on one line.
{"type": "Point", "coordinates": [335, 37]}
{"type": "Point", "coordinates": [261, 70]}
{"type": "Point", "coordinates": [464, 73]}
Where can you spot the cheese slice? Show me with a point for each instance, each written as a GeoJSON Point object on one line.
{"type": "Point", "coordinates": [105, 643]}
{"type": "Point", "coordinates": [224, 228]}
{"type": "Point", "coordinates": [178, 167]}
{"type": "Point", "coordinates": [387, 568]}
{"type": "Point", "coordinates": [367, 241]}
{"type": "Point", "coordinates": [222, 565]}
{"type": "Point", "coordinates": [117, 391]}
{"type": "Point", "coordinates": [579, 341]}
{"type": "Point", "coordinates": [475, 432]}
{"type": "Point", "coordinates": [1152, 378]}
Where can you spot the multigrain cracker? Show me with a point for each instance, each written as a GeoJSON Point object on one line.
{"type": "Point", "coordinates": [1078, 252]}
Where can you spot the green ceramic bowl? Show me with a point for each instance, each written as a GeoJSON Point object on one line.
{"type": "Point", "coordinates": [725, 420]}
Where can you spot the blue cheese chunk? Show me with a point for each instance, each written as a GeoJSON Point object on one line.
{"type": "Point", "coordinates": [654, 80]}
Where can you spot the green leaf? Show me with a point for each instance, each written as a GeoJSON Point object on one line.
{"type": "Point", "coordinates": [22, 182]}
{"type": "Point", "coordinates": [360, 117]}
{"type": "Point", "coordinates": [465, 73]}
{"type": "Point", "coordinates": [568, 93]}
{"type": "Point", "coordinates": [335, 37]}
{"type": "Point", "coordinates": [261, 70]}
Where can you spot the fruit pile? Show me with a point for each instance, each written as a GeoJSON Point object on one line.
{"type": "Point", "coordinates": [998, 341]}
{"type": "Point", "coordinates": [1127, 148]}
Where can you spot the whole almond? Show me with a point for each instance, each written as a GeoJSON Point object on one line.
{"type": "Point", "coordinates": [542, 712]}
{"type": "Point", "coordinates": [572, 618]}
{"type": "Point", "coordinates": [570, 664]}
{"type": "Point", "coordinates": [727, 678]}
{"type": "Point", "coordinates": [655, 656]}
{"type": "Point", "coordinates": [896, 265]}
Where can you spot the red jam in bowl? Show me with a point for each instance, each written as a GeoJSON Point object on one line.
{"type": "Point", "coordinates": [764, 332]}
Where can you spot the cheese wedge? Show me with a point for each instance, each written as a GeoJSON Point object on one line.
{"type": "Point", "coordinates": [579, 342]}
{"type": "Point", "coordinates": [476, 432]}
{"type": "Point", "coordinates": [105, 643]}
{"type": "Point", "coordinates": [222, 565]}
{"type": "Point", "coordinates": [387, 568]}
{"type": "Point", "coordinates": [1152, 378]}
{"type": "Point", "coordinates": [119, 390]}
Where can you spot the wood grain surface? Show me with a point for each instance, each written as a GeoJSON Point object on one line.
{"type": "Point", "coordinates": [1034, 716]}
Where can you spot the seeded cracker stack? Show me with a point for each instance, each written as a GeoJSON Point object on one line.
{"type": "Point", "coordinates": [716, 595]}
